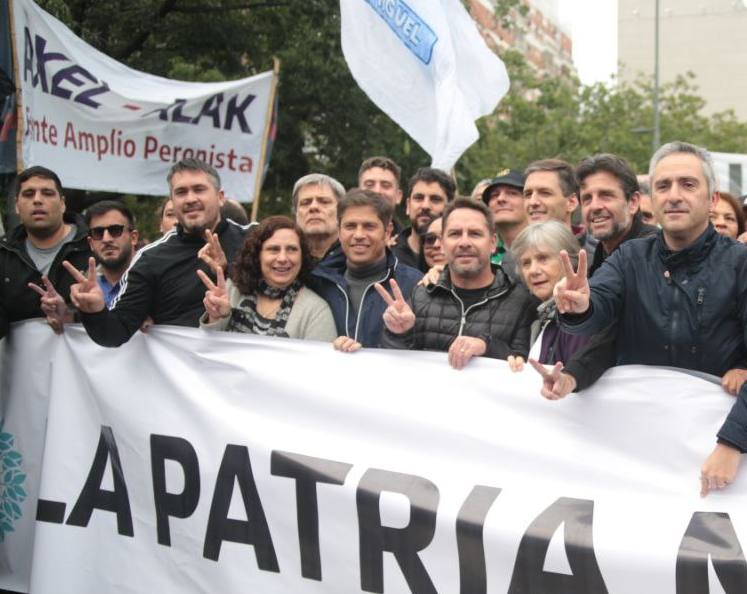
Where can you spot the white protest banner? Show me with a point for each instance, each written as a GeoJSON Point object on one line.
{"type": "Point", "coordinates": [188, 461]}
{"type": "Point", "coordinates": [731, 172]}
{"type": "Point", "coordinates": [103, 126]}
{"type": "Point", "coordinates": [424, 63]}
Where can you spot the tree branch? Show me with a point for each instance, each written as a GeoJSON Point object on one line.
{"type": "Point", "coordinates": [139, 40]}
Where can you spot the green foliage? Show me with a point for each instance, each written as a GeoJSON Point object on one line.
{"type": "Point", "coordinates": [326, 123]}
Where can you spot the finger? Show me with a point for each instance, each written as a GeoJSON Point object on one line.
{"type": "Point", "coordinates": [703, 486]}
{"type": "Point", "coordinates": [384, 295]}
{"type": "Point", "coordinates": [37, 288]}
{"type": "Point", "coordinates": [74, 272]}
{"type": "Point", "coordinates": [91, 270]}
{"type": "Point", "coordinates": [555, 371]}
{"type": "Point", "coordinates": [539, 368]}
{"type": "Point", "coordinates": [396, 291]}
{"type": "Point", "coordinates": [565, 262]}
{"type": "Point", "coordinates": [582, 266]}
{"type": "Point", "coordinates": [206, 280]}
{"type": "Point", "coordinates": [221, 279]}
{"type": "Point", "coordinates": [49, 286]}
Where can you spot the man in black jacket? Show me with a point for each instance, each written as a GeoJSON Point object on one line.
{"type": "Point", "coordinates": [32, 254]}
{"type": "Point", "coordinates": [679, 297]}
{"type": "Point", "coordinates": [474, 309]}
{"type": "Point", "coordinates": [162, 282]}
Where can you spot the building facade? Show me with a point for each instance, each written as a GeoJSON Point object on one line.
{"type": "Point", "coordinates": [705, 38]}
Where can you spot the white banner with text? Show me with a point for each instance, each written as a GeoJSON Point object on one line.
{"type": "Point", "coordinates": [191, 461]}
{"type": "Point", "coordinates": [103, 126]}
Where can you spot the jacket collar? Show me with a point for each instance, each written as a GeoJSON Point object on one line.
{"type": "Point", "coordinates": [17, 237]}
{"type": "Point", "coordinates": [198, 237]}
{"type": "Point", "coordinates": [500, 283]}
{"type": "Point", "coordinates": [692, 255]}
{"type": "Point", "coordinates": [334, 265]}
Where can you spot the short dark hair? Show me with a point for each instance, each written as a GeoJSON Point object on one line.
{"type": "Point", "coordinates": [361, 197]}
{"type": "Point", "coordinates": [465, 202]}
{"type": "Point", "coordinates": [615, 166]}
{"type": "Point", "coordinates": [564, 171]}
{"type": "Point", "coordinates": [431, 175]}
{"type": "Point", "coordinates": [233, 210]}
{"type": "Point", "coordinates": [37, 171]}
{"type": "Point", "coordinates": [104, 206]}
{"type": "Point", "coordinates": [383, 163]}
{"type": "Point", "coordinates": [194, 165]}
{"type": "Point", "coordinates": [246, 273]}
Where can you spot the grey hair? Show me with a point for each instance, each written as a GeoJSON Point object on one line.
{"type": "Point", "coordinates": [678, 146]}
{"type": "Point", "coordinates": [551, 235]}
{"type": "Point", "coordinates": [317, 179]}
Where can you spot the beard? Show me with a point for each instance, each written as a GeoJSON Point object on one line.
{"type": "Point", "coordinates": [422, 228]}
{"type": "Point", "coordinates": [119, 262]}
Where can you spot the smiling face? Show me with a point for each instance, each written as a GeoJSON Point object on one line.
{"type": "Point", "coordinates": [540, 268]}
{"type": "Point", "coordinates": [468, 244]}
{"type": "Point", "coordinates": [544, 199]}
{"type": "Point", "coordinates": [426, 202]}
{"type": "Point", "coordinates": [196, 200]}
{"type": "Point", "coordinates": [507, 205]}
{"type": "Point", "coordinates": [40, 207]}
{"type": "Point", "coordinates": [280, 258]}
{"type": "Point", "coordinates": [682, 205]}
{"type": "Point", "coordinates": [433, 246]}
{"type": "Point", "coordinates": [606, 212]}
{"type": "Point", "coordinates": [168, 218]}
{"type": "Point", "coordinates": [363, 236]}
{"type": "Point", "coordinates": [724, 219]}
{"type": "Point", "coordinates": [113, 251]}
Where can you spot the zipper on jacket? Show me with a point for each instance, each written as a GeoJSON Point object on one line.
{"type": "Point", "coordinates": [363, 299]}
{"type": "Point", "coordinates": [465, 312]}
{"type": "Point", "coordinates": [347, 307]}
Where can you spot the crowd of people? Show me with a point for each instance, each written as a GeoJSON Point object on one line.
{"type": "Point", "coordinates": [653, 274]}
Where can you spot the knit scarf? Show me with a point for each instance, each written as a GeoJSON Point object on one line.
{"type": "Point", "coordinates": [246, 318]}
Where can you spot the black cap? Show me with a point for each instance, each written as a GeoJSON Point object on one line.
{"type": "Point", "coordinates": [506, 177]}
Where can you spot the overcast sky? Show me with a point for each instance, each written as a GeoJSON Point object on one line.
{"type": "Point", "coordinates": [593, 25]}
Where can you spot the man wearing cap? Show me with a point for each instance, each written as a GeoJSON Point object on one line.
{"type": "Point", "coordinates": [429, 190]}
{"type": "Point", "coordinates": [505, 199]}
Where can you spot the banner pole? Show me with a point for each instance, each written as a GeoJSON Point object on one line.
{"type": "Point", "coordinates": [265, 137]}
{"type": "Point", "coordinates": [17, 81]}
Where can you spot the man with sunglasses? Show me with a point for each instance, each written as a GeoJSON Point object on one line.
{"type": "Point", "coordinates": [113, 240]}
{"type": "Point", "coordinates": [31, 255]}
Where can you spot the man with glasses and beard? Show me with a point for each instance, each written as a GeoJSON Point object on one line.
{"type": "Point", "coordinates": [429, 190]}
{"type": "Point", "coordinates": [162, 280]}
{"type": "Point", "coordinates": [112, 237]}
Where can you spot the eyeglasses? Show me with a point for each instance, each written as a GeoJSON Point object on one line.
{"type": "Point", "coordinates": [115, 231]}
{"type": "Point", "coordinates": [430, 239]}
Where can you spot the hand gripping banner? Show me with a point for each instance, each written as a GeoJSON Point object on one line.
{"type": "Point", "coordinates": [190, 461]}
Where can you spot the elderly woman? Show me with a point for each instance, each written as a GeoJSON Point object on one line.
{"type": "Point", "coordinates": [579, 359]}
{"type": "Point", "coordinates": [266, 292]}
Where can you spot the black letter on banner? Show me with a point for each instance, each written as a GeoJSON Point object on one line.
{"type": "Point", "coordinates": [178, 505]}
{"type": "Point", "coordinates": [308, 472]}
{"type": "Point", "coordinates": [42, 59]}
{"type": "Point", "coordinates": [529, 575]}
{"type": "Point", "coordinates": [237, 112]}
{"type": "Point", "coordinates": [210, 110]}
{"type": "Point", "coordinates": [469, 527]}
{"type": "Point", "coordinates": [28, 58]}
{"type": "Point", "coordinates": [710, 534]}
{"type": "Point", "coordinates": [85, 96]}
{"type": "Point", "coordinates": [236, 467]}
{"type": "Point", "coordinates": [403, 542]}
{"type": "Point", "coordinates": [94, 497]}
{"type": "Point", "coordinates": [69, 74]}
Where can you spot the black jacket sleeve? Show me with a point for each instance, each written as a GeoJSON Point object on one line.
{"type": "Point", "coordinates": [115, 327]}
{"type": "Point", "coordinates": [594, 358]}
{"type": "Point", "coordinates": [734, 429]}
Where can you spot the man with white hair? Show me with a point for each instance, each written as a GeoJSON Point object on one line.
{"type": "Point", "coordinates": [315, 198]}
{"type": "Point", "coordinates": [680, 296]}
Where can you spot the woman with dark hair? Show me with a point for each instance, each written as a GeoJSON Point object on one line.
{"type": "Point", "coordinates": [431, 247]}
{"type": "Point", "coordinates": [727, 216]}
{"type": "Point", "coordinates": [266, 293]}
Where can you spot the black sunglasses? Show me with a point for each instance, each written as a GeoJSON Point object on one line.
{"type": "Point", "coordinates": [429, 239]}
{"type": "Point", "coordinates": [115, 231]}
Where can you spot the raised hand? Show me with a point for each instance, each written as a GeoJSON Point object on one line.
{"type": "Point", "coordinates": [431, 277]}
{"type": "Point", "coordinates": [572, 292]}
{"type": "Point", "coordinates": [398, 316]}
{"type": "Point", "coordinates": [86, 294]}
{"type": "Point", "coordinates": [53, 305]}
{"type": "Point", "coordinates": [464, 348]}
{"type": "Point", "coordinates": [555, 383]}
{"type": "Point", "coordinates": [212, 252]}
{"type": "Point", "coordinates": [217, 304]}
{"type": "Point", "coordinates": [720, 468]}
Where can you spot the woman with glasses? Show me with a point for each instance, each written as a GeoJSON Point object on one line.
{"type": "Point", "coordinates": [266, 293]}
{"type": "Point", "coordinates": [431, 248]}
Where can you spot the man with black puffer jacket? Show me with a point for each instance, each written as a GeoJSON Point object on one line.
{"type": "Point", "coordinates": [474, 309]}
{"type": "Point", "coordinates": [162, 281]}
{"type": "Point", "coordinates": [33, 252]}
